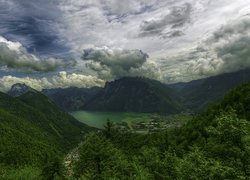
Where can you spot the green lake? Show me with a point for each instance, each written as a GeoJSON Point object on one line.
{"type": "Point", "coordinates": [99, 119]}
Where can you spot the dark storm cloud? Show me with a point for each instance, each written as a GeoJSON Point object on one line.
{"type": "Point", "coordinates": [231, 44]}
{"type": "Point", "coordinates": [173, 34]}
{"type": "Point", "coordinates": [177, 17]}
{"type": "Point", "coordinates": [113, 63]}
{"type": "Point", "coordinates": [116, 63]}
{"type": "Point", "coordinates": [116, 57]}
{"type": "Point", "coordinates": [14, 55]}
{"type": "Point", "coordinates": [236, 55]}
{"type": "Point", "coordinates": [240, 27]}
{"type": "Point", "coordinates": [63, 28]}
{"type": "Point", "coordinates": [31, 23]}
{"type": "Point", "coordinates": [227, 50]}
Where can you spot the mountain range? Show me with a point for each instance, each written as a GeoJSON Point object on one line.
{"type": "Point", "coordinates": [36, 132]}
{"type": "Point", "coordinates": [145, 95]}
{"type": "Point", "coordinates": [199, 94]}
{"type": "Point", "coordinates": [136, 95]}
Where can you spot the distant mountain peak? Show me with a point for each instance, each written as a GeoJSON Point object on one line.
{"type": "Point", "coordinates": [135, 94]}
{"type": "Point", "coordinates": [19, 89]}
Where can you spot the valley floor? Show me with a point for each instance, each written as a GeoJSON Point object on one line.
{"type": "Point", "coordinates": [132, 122]}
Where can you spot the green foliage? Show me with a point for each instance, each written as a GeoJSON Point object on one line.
{"type": "Point", "coordinates": [33, 133]}
{"type": "Point", "coordinates": [213, 145]}
{"type": "Point", "coordinates": [195, 165]}
{"type": "Point", "coordinates": [64, 128]}
{"type": "Point", "coordinates": [109, 129]}
{"type": "Point", "coordinates": [99, 158]}
{"type": "Point", "coordinates": [53, 170]}
{"type": "Point", "coordinates": [23, 173]}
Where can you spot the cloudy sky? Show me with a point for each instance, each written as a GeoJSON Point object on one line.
{"type": "Point", "coordinates": [84, 43]}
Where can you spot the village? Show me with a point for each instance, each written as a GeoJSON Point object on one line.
{"type": "Point", "coordinates": [155, 124]}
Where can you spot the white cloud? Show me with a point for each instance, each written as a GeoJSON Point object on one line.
{"type": "Point", "coordinates": [63, 80]}
{"type": "Point", "coordinates": [87, 24]}
{"type": "Point", "coordinates": [226, 50]}
{"type": "Point", "coordinates": [180, 52]}
{"type": "Point", "coordinates": [177, 17]}
{"type": "Point", "coordinates": [14, 55]}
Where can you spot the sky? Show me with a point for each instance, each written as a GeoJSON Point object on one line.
{"type": "Point", "coordinates": [84, 43]}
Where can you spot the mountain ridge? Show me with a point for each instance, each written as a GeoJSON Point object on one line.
{"type": "Point", "coordinates": [135, 94]}
{"type": "Point", "coordinates": [198, 94]}
{"type": "Point", "coordinates": [19, 89]}
{"type": "Point", "coordinates": [193, 96]}
{"type": "Point", "coordinates": [72, 98]}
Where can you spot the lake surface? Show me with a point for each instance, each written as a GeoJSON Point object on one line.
{"type": "Point", "coordinates": [99, 119]}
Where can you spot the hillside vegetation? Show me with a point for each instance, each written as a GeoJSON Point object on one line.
{"type": "Point", "coordinates": [71, 99]}
{"type": "Point", "coordinates": [213, 145]}
{"type": "Point", "coordinates": [34, 132]}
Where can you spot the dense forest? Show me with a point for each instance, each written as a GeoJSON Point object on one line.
{"type": "Point", "coordinates": [213, 145]}
{"type": "Point", "coordinates": [33, 134]}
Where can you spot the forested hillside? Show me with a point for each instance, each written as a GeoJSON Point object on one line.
{"type": "Point", "coordinates": [213, 145]}
{"type": "Point", "coordinates": [34, 132]}
{"type": "Point", "coordinates": [71, 99]}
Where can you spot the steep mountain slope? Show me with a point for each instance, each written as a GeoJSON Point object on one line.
{"type": "Point", "coordinates": [200, 93]}
{"type": "Point", "coordinates": [60, 124]}
{"type": "Point", "coordinates": [71, 99]}
{"type": "Point", "coordinates": [137, 95]}
{"type": "Point", "coordinates": [236, 101]}
{"type": "Point", "coordinates": [33, 130]}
